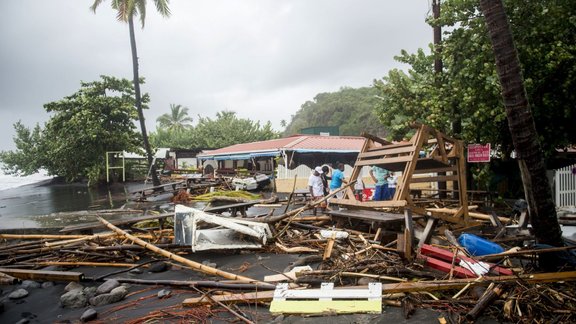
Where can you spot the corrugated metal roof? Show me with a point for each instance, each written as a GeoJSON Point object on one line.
{"type": "Point", "coordinates": [295, 143]}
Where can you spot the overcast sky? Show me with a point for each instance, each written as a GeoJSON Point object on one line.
{"type": "Point", "coordinates": [260, 58]}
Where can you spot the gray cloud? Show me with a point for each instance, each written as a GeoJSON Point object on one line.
{"type": "Point", "coordinates": [262, 59]}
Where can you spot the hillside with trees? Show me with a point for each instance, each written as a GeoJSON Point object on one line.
{"type": "Point", "coordinates": [352, 110]}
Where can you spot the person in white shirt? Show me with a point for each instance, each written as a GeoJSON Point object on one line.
{"type": "Point", "coordinates": [316, 186]}
{"type": "Point", "coordinates": [392, 182]}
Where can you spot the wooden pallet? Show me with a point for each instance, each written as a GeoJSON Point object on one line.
{"type": "Point", "coordinates": [327, 300]}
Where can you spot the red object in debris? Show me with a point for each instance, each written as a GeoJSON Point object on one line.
{"type": "Point", "coordinates": [446, 267]}
{"type": "Point", "coordinates": [367, 194]}
{"type": "Point", "coordinates": [447, 255]}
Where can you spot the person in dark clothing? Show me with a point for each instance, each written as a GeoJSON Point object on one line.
{"type": "Point", "coordinates": [325, 179]}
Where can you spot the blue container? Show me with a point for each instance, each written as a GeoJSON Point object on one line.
{"type": "Point", "coordinates": [478, 246]}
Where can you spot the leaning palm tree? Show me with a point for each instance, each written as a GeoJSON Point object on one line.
{"type": "Point", "coordinates": [177, 120]}
{"type": "Point", "coordinates": [521, 125]}
{"type": "Point", "coordinates": [126, 10]}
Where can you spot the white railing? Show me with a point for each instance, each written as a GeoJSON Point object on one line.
{"type": "Point", "coordinates": [565, 186]}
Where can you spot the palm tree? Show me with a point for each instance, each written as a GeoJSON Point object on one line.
{"type": "Point", "coordinates": [126, 10]}
{"type": "Point", "coordinates": [177, 120]}
{"type": "Point", "coordinates": [521, 124]}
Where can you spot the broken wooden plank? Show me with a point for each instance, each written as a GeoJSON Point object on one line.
{"type": "Point", "coordinates": [446, 255]}
{"type": "Point", "coordinates": [428, 230]}
{"type": "Point", "coordinates": [43, 275]}
{"type": "Point", "coordinates": [447, 267]}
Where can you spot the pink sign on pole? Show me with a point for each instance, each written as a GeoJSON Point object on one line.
{"type": "Point", "coordinates": [478, 153]}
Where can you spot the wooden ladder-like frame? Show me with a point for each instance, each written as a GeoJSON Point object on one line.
{"type": "Point", "coordinates": [428, 151]}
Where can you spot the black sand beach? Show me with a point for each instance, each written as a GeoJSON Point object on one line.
{"type": "Point", "coordinates": [42, 305]}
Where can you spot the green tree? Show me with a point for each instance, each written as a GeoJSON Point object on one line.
{"type": "Point", "coordinates": [29, 156]}
{"type": "Point", "coordinates": [522, 127]}
{"type": "Point", "coordinates": [126, 10]}
{"type": "Point", "coordinates": [469, 88]}
{"type": "Point", "coordinates": [227, 129]}
{"type": "Point", "coordinates": [352, 110]}
{"type": "Point", "coordinates": [164, 137]}
{"type": "Point", "coordinates": [177, 120]}
{"type": "Point", "coordinates": [83, 126]}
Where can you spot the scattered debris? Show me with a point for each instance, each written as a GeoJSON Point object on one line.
{"type": "Point", "coordinates": [412, 252]}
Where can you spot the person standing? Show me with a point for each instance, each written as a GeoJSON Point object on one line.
{"type": "Point", "coordinates": [392, 181]}
{"type": "Point", "coordinates": [316, 187]}
{"type": "Point", "coordinates": [379, 176]}
{"type": "Point", "coordinates": [325, 178]}
{"type": "Point", "coordinates": [337, 180]}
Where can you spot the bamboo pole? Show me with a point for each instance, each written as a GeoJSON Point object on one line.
{"type": "Point", "coordinates": [195, 265]}
{"type": "Point", "coordinates": [81, 263]}
{"type": "Point", "coordinates": [198, 284]}
{"type": "Point", "coordinates": [39, 236]}
{"type": "Point", "coordinates": [81, 239]}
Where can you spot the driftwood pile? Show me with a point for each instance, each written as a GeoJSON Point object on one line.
{"type": "Point", "coordinates": [336, 252]}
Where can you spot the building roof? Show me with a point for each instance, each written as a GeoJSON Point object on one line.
{"type": "Point", "coordinates": [298, 143]}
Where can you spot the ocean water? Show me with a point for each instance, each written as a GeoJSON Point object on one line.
{"type": "Point", "coordinates": [34, 202]}
{"type": "Point", "coordinates": [10, 181]}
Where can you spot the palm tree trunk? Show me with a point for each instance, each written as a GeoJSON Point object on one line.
{"type": "Point", "coordinates": [521, 124]}
{"type": "Point", "coordinates": [151, 164]}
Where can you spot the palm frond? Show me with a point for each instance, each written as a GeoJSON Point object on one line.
{"type": "Point", "coordinates": [141, 10]}
{"type": "Point", "coordinates": [95, 5]}
{"type": "Point", "coordinates": [162, 7]}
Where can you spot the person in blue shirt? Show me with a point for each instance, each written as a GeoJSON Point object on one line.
{"type": "Point", "coordinates": [337, 180]}
{"type": "Point", "coordinates": [379, 175]}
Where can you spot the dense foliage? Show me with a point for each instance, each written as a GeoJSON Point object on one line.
{"type": "Point", "coordinates": [73, 143]}
{"type": "Point", "coordinates": [227, 129]}
{"type": "Point", "coordinates": [467, 92]}
{"type": "Point", "coordinates": [352, 110]}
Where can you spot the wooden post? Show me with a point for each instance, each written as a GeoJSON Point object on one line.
{"type": "Point", "coordinates": [428, 230]}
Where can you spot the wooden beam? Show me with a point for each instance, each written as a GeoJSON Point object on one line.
{"type": "Point", "coordinates": [387, 151]}
{"type": "Point", "coordinates": [43, 275]}
{"type": "Point", "coordinates": [375, 138]}
{"type": "Point", "coordinates": [434, 179]}
{"type": "Point", "coordinates": [369, 204]}
{"type": "Point", "coordinates": [428, 230]}
{"type": "Point", "coordinates": [384, 160]}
